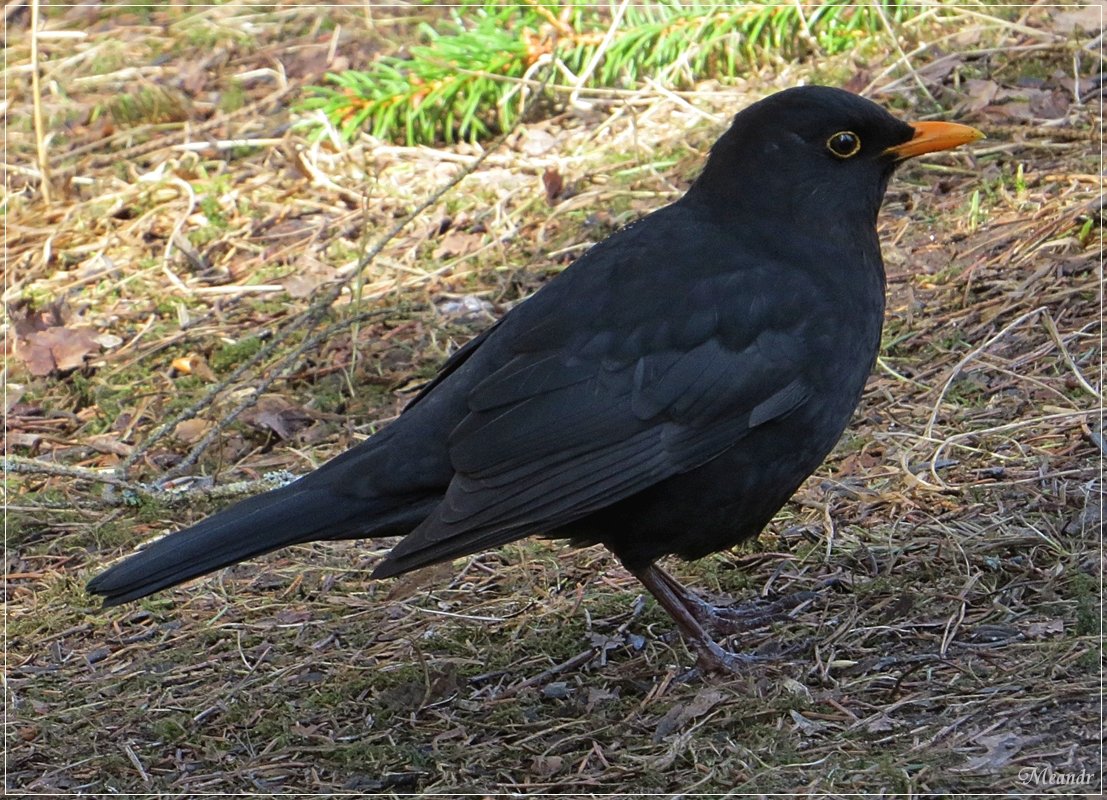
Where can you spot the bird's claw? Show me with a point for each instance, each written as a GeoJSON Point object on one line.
{"type": "Point", "coordinates": [728, 620]}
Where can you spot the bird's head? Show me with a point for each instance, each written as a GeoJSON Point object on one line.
{"type": "Point", "coordinates": [815, 154]}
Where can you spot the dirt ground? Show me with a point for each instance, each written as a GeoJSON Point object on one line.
{"type": "Point", "coordinates": [190, 229]}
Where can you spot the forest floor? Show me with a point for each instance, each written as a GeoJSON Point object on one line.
{"type": "Point", "coordinates": [961, 514]}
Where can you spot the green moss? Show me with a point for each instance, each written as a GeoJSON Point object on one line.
{"type": "Point", "coordinates": [1085, 590]}
{"type": "Point", "coordinates": [230, 355]}
{"type": "Point", "coordinates": [172, 727]}
{"type": "Point", "coordinates": [114, 535]}
{"type": "Point", "coordinates": [232, 98]}
{"type": "Point", "coordinates": [211, 209]}
{"type": "Point", "coordinates": [717, 574]}
{"type": "Point", "coordinates": [81, 388]}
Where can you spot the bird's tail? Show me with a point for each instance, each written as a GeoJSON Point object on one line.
{"type": "Point", "coordinates": [293, 514]}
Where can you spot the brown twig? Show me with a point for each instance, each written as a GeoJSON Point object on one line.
{"type": "Point", "coordinates": [36, 95]}
{"type": "Point", "coordinates": [30, 466]}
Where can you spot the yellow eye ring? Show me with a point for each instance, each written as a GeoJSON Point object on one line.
{"type": "Point", "coordinates": [844, 144]}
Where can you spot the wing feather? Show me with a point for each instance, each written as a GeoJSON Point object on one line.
{"type": "Point", "coordinates": [543, 461]}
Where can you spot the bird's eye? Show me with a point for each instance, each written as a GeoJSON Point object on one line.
{"type": "Point", "coordinates": [844, 144]}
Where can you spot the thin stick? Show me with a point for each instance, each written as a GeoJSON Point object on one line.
{"type": "Point", "coordinates": [902, 55]}
{"type": "Point", "coordinates": [590, 68]}
{"type": "Point", "coordinates": [1054, 334]}
{"type": "Point", "coordinates": [31, 466]}
{"type": "Point", "coordinates": [36, 99]}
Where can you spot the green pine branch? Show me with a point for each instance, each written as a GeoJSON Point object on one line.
{"type": "Point", "coordinates": [462, 84]}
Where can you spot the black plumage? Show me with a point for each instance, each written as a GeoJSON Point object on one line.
{"type": "Point", "coordinates": [665, 394]}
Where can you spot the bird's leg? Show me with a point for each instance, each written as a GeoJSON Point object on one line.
{"type": "Point", "coordinates": [673, 598]}
{"type": "Point", "coordinates": [734, 619]}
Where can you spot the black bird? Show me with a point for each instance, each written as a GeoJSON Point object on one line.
{"type": "Point", "coordinates": [664, 395]}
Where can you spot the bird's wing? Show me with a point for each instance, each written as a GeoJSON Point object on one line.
{"type": "Point", "coordinates": [548, 441]}
{"type": "Point", "coordinates": [557, 433]}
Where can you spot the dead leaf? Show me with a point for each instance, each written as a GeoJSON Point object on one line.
{"type": "Point", "coordinates": [1050, 104]}
{"type": "Point", "coordinates": [547, 766]}
{"type": "Point", "coordinates": [940, 68]}
{"type": "Point", "coordinates": [1022, 103]}
{"type": "Point", "coordinates": [597, 695]}
{"type": "Point", "coordinates": [804, 724]}
{"type": "Point", "coordinates": [193, 257]}
{"type": "Point", "coordinates": [410, 583]}
{"type": "Point", "coordinates": [310, 274]}
{"type": "Point", "coordinates": [310, 62]}
{"type": "Point", "coordinates": [683, 713]}
{"type": "Point", "coordinates": [1074, 84]}
{"type": "Point", "coordinates": [191, 430]}
{"type": "Point", "coordinates": [554, 184]}
{"type": "Point", "coordinates": [293, 616]}
{"type": "Point", "coordinates": [58, 349]}
{"type": "Point", "coordinates": [108, 340]}
{"type": "Point", "coordinates": [979, 94]}
{"type": "Point", "coordinates": [411, 695]}
{"type": "Point", "coordinates": [403, 697]}
{"type": "Point", "coordinates": [1090, 517]}
{"type": "Point", "coordinates": [795, 687]}
{"type": "Point", "coordinates": [28, 440]}
{"type": "Point", "coordinates": [880, 724]}
{"type": "Point", "coordinates": [1008, 112]}
{"type": "Point", "coordinates": [860, 463]}
{"type": "Point", "coordinates": [444, 682]}
{"type": "Point", "coordinates": [45, 343]}
{"type": "Point", "coordinates": [194, 79]}
{"type": "Point", "coordinates": [457, 243]}
{"type": "Point", "coordinates": [273, 412]}
{"type": "Point", "coordinates": [858, 81]}
{"type": "Point", "coordinates": [28, 319]}
{"type": "Point", "coordinates": [466, 307]}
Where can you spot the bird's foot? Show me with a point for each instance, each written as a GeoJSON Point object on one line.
{"type": "Point", "coordinates": [713, 658]}
{"type": "Point", "coordinates": [728, 620]}
{"type": "Point", "coordinates": [692, 616]}
{"type": "Point", "coordinates": [696, 617]}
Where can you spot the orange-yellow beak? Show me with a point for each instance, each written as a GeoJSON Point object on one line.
{"type": "Point", "coordinates": [933, 136]}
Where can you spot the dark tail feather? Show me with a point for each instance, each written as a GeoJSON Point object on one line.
{"type": "Point", "coordinates": [291, 515]}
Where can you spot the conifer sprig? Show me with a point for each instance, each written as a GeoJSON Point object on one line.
{"type": "Point", "coordinates": [460, 83]}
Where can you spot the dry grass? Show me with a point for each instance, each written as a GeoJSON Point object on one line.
{"type": "Point", "coordinates": [961, 514]}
